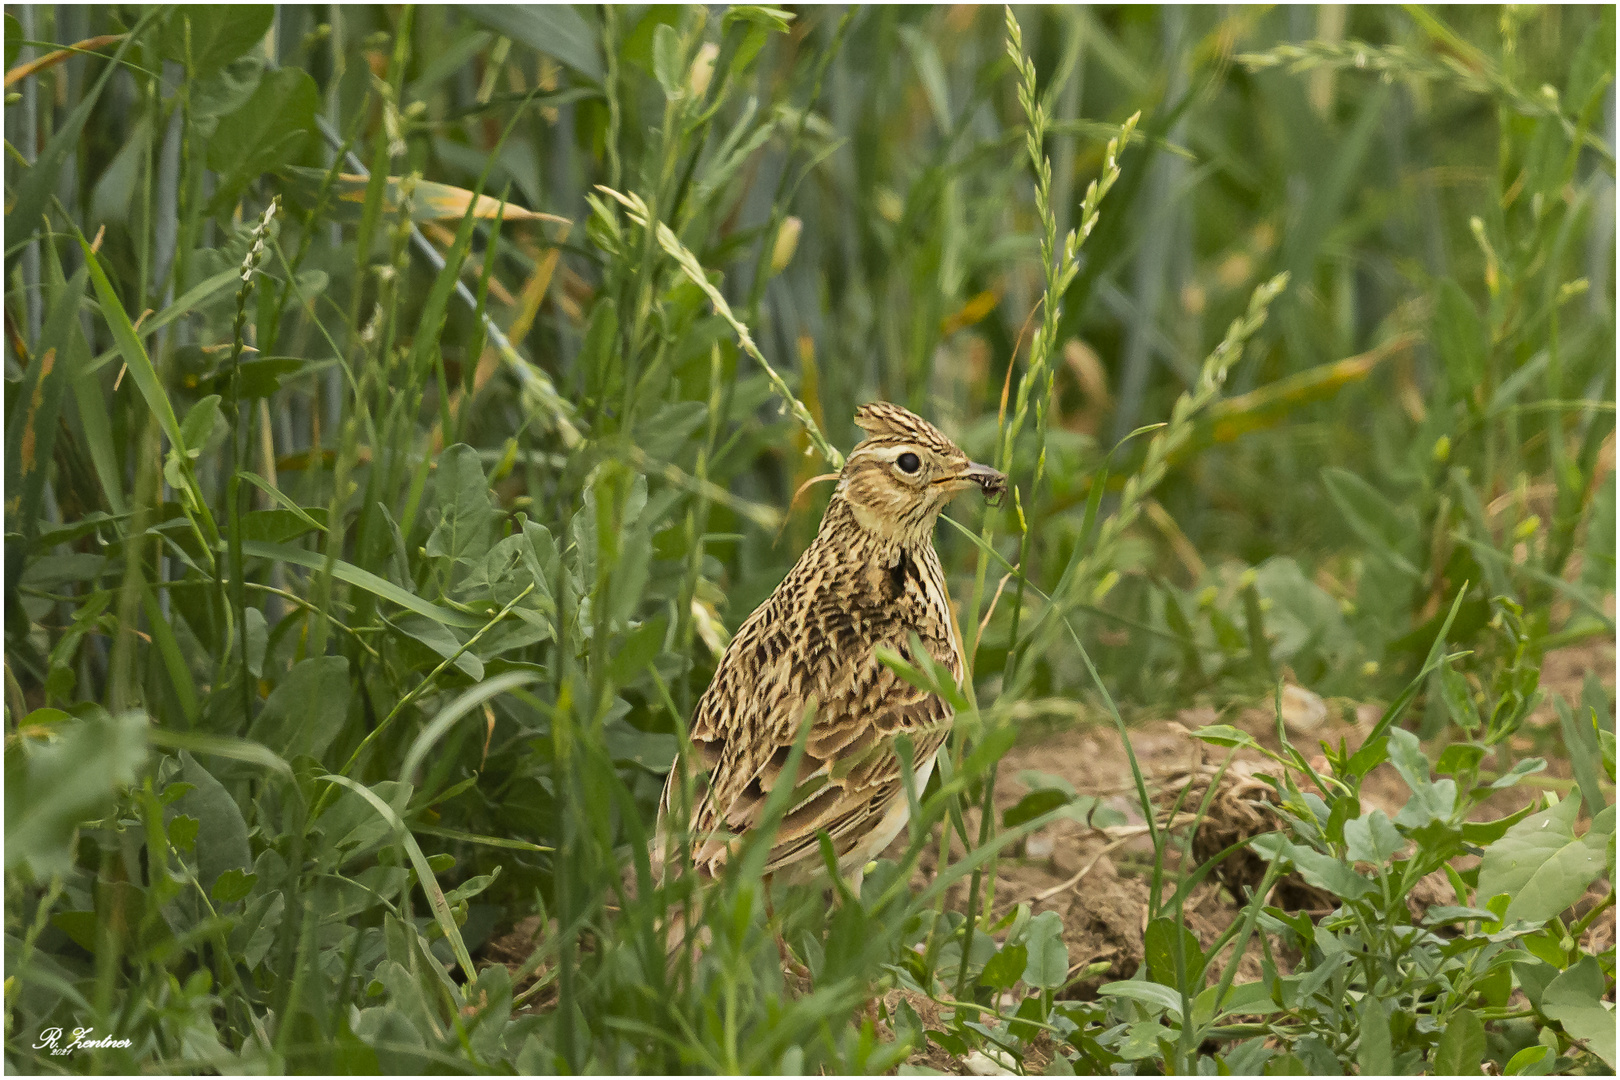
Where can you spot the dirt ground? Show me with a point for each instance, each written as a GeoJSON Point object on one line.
{"type": "Point", "coordinates": [1097, 880]}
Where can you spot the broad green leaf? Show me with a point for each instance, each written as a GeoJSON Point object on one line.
{"type": "Point", "coordinates": [1033, 806]}
{"type": "Point", "coordinates": [278, 526]}
{"type": "Point", "coordinates": [666, 58]}
{"type": "Point", "coordinates": [1003, 970]}
{"type": "Point", "coordinates": [1458, 699]}
{"type": "Point", "coordinates": [1375, 1054]}
{"type": "Point", "coordinates": [639, 648]}
{"type": "Point", "coordinates": [55, 785]}
{"type": "Point", "coordinates": [1372, 838]}
{"type": "Point", "coordinates": [233, 885]}
{"type": "Point", "coordinates": [1542, 865]}
{"type": "Point", "coordinates": [272, 126]}
{"type": "Point", "coordinates": [1048, 962]}
{"type": "Point", "coordinates": [222, 839]}
{"type": "Point", "coordinates": [207, 37]}
{"type": "Point", "coordinates": [1520, 770]}
{"type": "Point", "coordinates": [1152, 994]}
{"type": "Point", "coordinates": [1461, 1050]}
{"type": "Point", "coordinates": [442, 643]}
{"type": "Point", "coordinates": [1534, 1060]}
{"type": "Point", "coordinates": [466, 513]}
{"type": "Point", "coordinates": [1159, 945]}
{"type": "Point", "coordinates": [1576, 1000]}
{"type": "Point", "coordinates": [225, 91]}
{"type": "Point", "coordinates": [307, 709]}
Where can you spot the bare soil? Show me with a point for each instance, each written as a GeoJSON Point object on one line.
{"type": "Point", "coordinates": [1097, 879]}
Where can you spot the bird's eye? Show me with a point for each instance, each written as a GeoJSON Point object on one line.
{"type": "Point", "coordinates": [908, 462]}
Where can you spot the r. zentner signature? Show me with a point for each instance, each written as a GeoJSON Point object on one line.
{"type": "Point", "coordinates": [51, 1039]}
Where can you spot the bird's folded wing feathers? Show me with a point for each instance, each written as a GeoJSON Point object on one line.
{"type": "Point", "coordinates": [849, 775]}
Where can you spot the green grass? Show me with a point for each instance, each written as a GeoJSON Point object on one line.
{"type": "Point", "coordinates": [367, 544]}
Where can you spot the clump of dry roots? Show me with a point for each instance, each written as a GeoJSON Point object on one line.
{"type": "Point", "coordinates": [1243, 807]}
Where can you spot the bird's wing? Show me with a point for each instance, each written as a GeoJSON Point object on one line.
{"type": "Point", "coordinates": [745, 726]}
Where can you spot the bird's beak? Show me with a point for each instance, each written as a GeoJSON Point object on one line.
{"type": "Point", "coordinates": [991, 482]}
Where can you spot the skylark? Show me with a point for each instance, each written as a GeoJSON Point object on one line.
{"type": "Point", "coordinates": [870, 578]}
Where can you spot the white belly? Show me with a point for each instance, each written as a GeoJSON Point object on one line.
{"type": "Point", "coordinates": [883, 834]}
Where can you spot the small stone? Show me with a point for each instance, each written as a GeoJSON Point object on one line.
{"type": "Point", "coordinates": [1302, 710]}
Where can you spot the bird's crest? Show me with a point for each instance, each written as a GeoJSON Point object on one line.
{"type": "Point", "coordinates": [884, 421]}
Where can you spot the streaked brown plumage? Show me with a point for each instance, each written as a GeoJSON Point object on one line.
{"type": "Point", "coordinates": [870, 577]}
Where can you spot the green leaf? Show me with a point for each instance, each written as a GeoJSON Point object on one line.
{"type": "Point", "coordinates": [640, 647]}
{"type": "Point", "coordinates": [53, 786]}
{"type": "Point", "coordinates": [222, 842]}
{"type": "Point", "coordinates": [307, 709]}
{"type": "Point", "coordinates": [461, 706]}
{"type": "Point", "coordinates": [1580, 732]}
{"type": "Point", "coordinates": [1461, 1050]}
{"type": "Point", "coordinates": [1534, 1060]}
{"type": "Point", "coordinates": [1048, 962]}
{"type": "Point", "coordinates": [1457, 697]}
{"type": "Point", "coordinates": [1155, 995]}
{"type": "Point", "coordinates": [233, 885]}
{"type": "Point", "coordinates": [666, 60]}
{"type": "Point", "coordinates": [363, 579]}
{"type": "Point", "coordinates": [466, 513]}
{"type": "Point", "coordinates": [1520, 770]}
{"type": "Point", "coordinates": [1323, 871]}
{"type": "Point", "coordinates": [14, 40]}
{"type": "Point", "coordinates": [140, 365]}
{"type": "Point", "coordinates": [183, 832]}
{"type": "Point", "coordinates": [219, 746]}
{"type": "Point", "coordinates": [278, 526]}
{"type": "Point", "coordinates": [442, 643]}
{"type": "Point", "coordinates": [1225, 735]}
{"type": "Point", "coordinates": [1375, 1055]}
{"type": "Point", "coordinates": [770, 18]}
{"type": "Point", "coordinates": [1459, 337]}
{"type": "Point", "coordinates": [1033, 805]}
{"type": "Point", "coordinates": [273, 125]}
{"type": "Point", "coordinates": [1003, 970]}
{"type": "Point", "coordinates": [202, 420]}
{"type": "Point", "coordinates": [1575, 1000]}
{"type": "Point", "coordinates": [1542, 865]}
{"type": "Point", "coordinates": [210, 36]}
{"type": "Point", "coordinates": [557, 30]}
{"type": "Point", "coordinates": [1372, 838]}
{"type": "Point", "coordinates": [1159, 945]}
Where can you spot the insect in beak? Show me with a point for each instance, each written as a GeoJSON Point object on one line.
{"type": "Point", "coordinates": [991, 482]}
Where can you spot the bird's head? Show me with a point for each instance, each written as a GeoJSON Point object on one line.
{"type": "Point", "coordinates": [902, 474]}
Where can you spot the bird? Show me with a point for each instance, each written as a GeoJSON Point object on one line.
{"type": "Point", "coordinates": [871, 578]}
